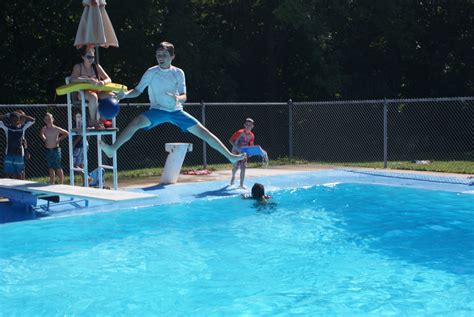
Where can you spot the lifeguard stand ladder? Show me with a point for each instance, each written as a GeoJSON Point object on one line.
{"type": "Point", "coordinates": [85, 133]}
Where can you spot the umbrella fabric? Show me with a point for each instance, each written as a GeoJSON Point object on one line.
{"type": "Point", "coordinates": [95, 27]}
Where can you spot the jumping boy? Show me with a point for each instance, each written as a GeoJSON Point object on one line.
{"type": "Point", "coordinates": [14, 161]}
{"type": "Point", "coordinates": [52, 135]}
{"type": "Point", "coordinates": [167, 93]}
{"type": "Point", "coordinates": [240, 138]}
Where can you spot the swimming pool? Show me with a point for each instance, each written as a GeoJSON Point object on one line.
{"type": "Point", "coordinates": [326, 248]}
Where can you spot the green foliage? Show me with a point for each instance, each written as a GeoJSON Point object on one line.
{"type": "Point", "coordinates": [253, 50]}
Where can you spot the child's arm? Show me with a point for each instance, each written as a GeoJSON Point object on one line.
{"type": "Point", "coordinates": [28, 118]}
{"type": "Point", "coordinates": [182, 98]}
{"type": "Point", "coordinates": [137, 91]}
{"type": "Point", "coordinates": [128, 94]}
{"type": "Point", "coordinates": [234, 138]}
{"type": "Point", "coordinates": [62, 134]}
{"type": "Point", "coordinates": [235, 142]}
{"type": "Point", "coordinates": [42, 135]}
{"type": "Point", "coordinates": [178, 98]}
{"type": "Point", "coordinates": [3, 126]}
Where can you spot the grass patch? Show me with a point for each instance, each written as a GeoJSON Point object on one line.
{"type": "Point", "coordinates": [459, 167]}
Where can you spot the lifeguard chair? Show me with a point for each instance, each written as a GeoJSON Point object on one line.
{"type": "Point", "coordinates": [86, 132]}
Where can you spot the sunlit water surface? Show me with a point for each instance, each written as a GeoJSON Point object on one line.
{"type": "Point", "coordinates": [338, 250]}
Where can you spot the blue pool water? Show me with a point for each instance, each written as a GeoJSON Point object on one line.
{"type": "Point", "coordinates": [328, 250]}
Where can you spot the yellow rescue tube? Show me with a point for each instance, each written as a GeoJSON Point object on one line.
{"type": "Point", "coordinates": [65, 89]}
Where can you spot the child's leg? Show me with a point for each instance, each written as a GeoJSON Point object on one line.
{"type": "Point", "coordinates": [8, 167]}
{"type": "Point", "coordinates": [235, 167]}
{"type": "Point", "coordinates": [138, 123]}
{"type": "Point", "coordinates": [60, 174]}
{"type": "Point", "coordinates": [21, 170]}
{"type": "Point", "coordinates": [203, 133]}
{"type": "Point", "coordinates": [52, 176]}
{"type": "Point", "coordinates": [243, 167]}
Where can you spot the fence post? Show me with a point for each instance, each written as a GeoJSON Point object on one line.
{"type": "Point", "coordinates": [204, 145]}
{"type": "Point", "coordinates": [385, 132]}
{"type": "Point", "coordinates": [290, 129]}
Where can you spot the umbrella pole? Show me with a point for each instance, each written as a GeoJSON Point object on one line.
{"type": "Point", "coordinates": [97, 54]}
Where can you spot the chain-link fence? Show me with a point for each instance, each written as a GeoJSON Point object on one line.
{"type": "Point", "coordinates": [338, 131]}
{"type": "Point", "coordinates": [374, 130]}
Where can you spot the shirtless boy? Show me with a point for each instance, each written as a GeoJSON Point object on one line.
{"type": "Point", "coordinates": [52, 135]}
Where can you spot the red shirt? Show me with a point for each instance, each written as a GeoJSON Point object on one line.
{"type": "Point", "coordinates": [242, 138]}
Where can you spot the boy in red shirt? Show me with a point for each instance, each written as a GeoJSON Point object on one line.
{"type": "Point", "coordinates": [240, 138]}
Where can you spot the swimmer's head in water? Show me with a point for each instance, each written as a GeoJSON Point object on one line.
{"type": "Point", "coordinates": [258, 191]}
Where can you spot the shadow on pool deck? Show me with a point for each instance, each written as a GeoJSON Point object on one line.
{"type": "Point", "coordinates": [221, 192]}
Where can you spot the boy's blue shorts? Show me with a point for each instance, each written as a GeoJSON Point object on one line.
{"type": "Point", "coordinates": [13, 164]}
{"type": "Point", "coordinates": [179, 118]}
{"type": "Point", "coordinates": [53, 157]}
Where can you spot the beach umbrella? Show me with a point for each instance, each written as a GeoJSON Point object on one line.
{"type": "Point", "coordinates": [95, 27]}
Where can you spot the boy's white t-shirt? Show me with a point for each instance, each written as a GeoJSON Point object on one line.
{"type": "Point", "coordinates": [160, 83]}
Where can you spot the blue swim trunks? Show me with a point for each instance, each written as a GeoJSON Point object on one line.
{"type": "Point", "coordinates": [179, 118]}
{"type": "Point", "coordinates": [53, 157]}
{"type": "Point", "coordinates": [13, 164]}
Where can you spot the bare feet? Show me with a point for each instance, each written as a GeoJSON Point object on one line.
{"type": "Point", "coordinates": [107, 149]}
{"type": "Point", "coordinates": [236, 157]}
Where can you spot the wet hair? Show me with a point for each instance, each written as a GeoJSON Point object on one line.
{"type": "Point", "coordinates": [166, 46]}
{"type": "Point", "coordinates": [258, 191]}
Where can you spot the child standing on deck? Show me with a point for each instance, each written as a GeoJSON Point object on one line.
{"type": "Point", "coordinates": [52, 135]}
{"type": "Point", "coordinates": [240, 138]}
{"type": "Point", "coordinates": [14, 161]}
{"type": "Point", "coordinates": [77, 144]}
